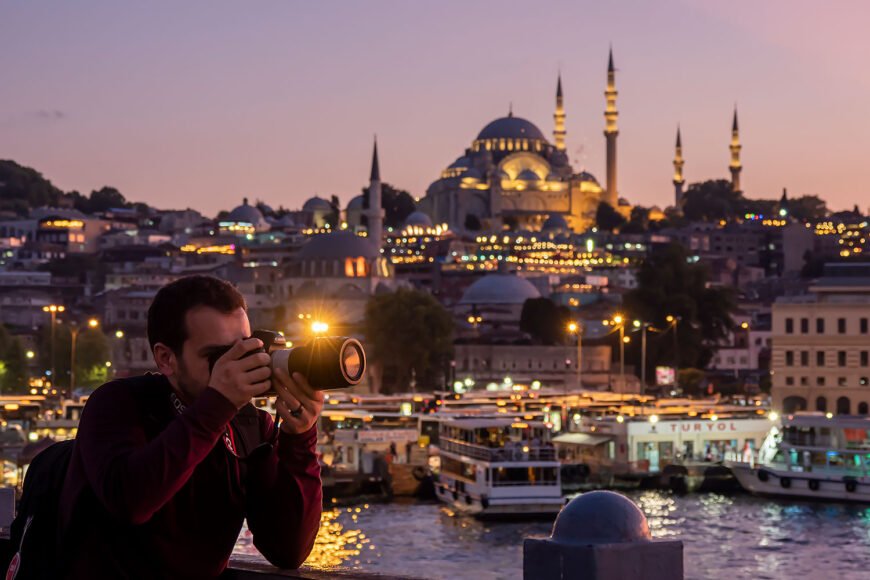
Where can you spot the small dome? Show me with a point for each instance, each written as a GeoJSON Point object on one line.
{"type": "Point", "coordinates": [356, 203]}
{"type": "Point", "coordinates": [511, 128]}
{"type": "Point", "coordinates": [528, 175]}
{"type": "Point", "coordinates": [586, 176]}
{"type": "Point", "coordinates": [337, 246]}
{"type": "Point", "coordinates": [460, 163]}
{"type": "Point", "coordinates": [316, 204]}
{"type": "Point", "coordinates": [418, 219]}
{"type": "Point", "coordinates": [500, 289]}
{"type": "Point", "coordinates": [246, 214]}
{"type": "Point", "coordinates": [286, 221]}
{"type": "Point", "coordinates": [555, 222]}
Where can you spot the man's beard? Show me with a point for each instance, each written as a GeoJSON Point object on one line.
{"type": "Point", "coordinates": [185, 384]}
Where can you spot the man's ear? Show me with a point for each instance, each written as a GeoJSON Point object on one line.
{"type": "Point", "coordinates": [167, 362]}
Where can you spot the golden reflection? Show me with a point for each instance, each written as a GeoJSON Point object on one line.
{"type": "Point", "coordinates": [335, 544]}
{"type": "Point", "coordinates": [659, 509]}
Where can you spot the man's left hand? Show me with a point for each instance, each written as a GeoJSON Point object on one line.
{"type": "Point", "coordinates": [298, 404]}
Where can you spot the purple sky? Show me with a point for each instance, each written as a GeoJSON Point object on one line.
{"type": "Point", "coordinates": [199, 103]}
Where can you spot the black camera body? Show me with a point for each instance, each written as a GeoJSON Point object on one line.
{"type": "Point", "coordinates": [328, 362]}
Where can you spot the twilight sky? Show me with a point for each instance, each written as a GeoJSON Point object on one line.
{"type": "Point", "coordinates": [199, 103]}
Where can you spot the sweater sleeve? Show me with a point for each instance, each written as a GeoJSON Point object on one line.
{"type": "Point", "coordinates": [131, 476]}
{"type": "Point", "coordinates": [285, 498]}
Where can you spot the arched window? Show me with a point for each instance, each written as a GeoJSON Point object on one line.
{"type": "Point", "coordinates": [793, 404]}
{"type": "Point", "coordinates": [821, 404]}
{"type": "Point", "coordinates": [862, 408]}
{"type": "Point", "coordinates": [844, 406]}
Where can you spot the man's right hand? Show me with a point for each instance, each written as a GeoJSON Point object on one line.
{"type": "Point", "coordinates": [240, 379]}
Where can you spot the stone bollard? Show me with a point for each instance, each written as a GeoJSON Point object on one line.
{"type": "Point", "coordinates": [602, 535]}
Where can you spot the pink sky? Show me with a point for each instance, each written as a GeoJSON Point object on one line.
{"type": "Point", "coordinates": [202, 103]}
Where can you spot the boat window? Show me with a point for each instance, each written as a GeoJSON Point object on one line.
{"type": "Point", "coordinates": [503, 476]}
{"type": "Point", "coordinates": [458, 468]}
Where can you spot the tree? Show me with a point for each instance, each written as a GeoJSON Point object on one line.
{"type": "Point", "coordinates": [14, 371]}
{"type": "Point", "coordinates": [638, 222]}
{"type": "Point", "coordinates": [544, 321]}
{"type": "Point", "coordinates": [408, 332]}
{"type": "Point", "coordinates": [396, 203]}
{"type": "Point", "coordinates": [669, 285]}
{"type": "Point", "coordinates": [92, 352]}
{"type": "Point", "coordinates": [608, 219]}
{"type": "Point", "coordinates": [332, 218]}
{"type": "Point", "coordinates": [23, 188]}
{"type": "Point", "coordinates": [712, 200]}
{"type": "Point", "coordinates": [807, 208]}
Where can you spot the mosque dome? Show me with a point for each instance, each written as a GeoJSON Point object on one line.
{"type": "Point", "coordinates": [418, 219]}
{"type": "Point", "coordinates": [528, 175]}
{"type": "Point", "coordinates": [554, 223]}
{"type": "Point", "coordinates": [511, 127]}
{"type": "Point", "coordinates": [586, 176]}
{"type": "Point", "coordinates": [316, 204]}
{"type": "Point", "coordinates": [461, 163]}
{"type": "Point", "coordinates": [356, 203]}
{"type": "Point", "coordinates": [500, 289]}
{"type": "Point", "coordinates": [337, 246]}
{"type": "Point", "coordinates": [246, 213]}
{"type": "Point", "coordinates": [471, 174]}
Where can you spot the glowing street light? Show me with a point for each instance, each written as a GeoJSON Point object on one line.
{"type": "Point", "coordinates": [74, 333]}
{"type": "Point", "coordinates": [53, 309]}
{"type": "Point", "coordinates": [30, 354]}
{"type": "Point", "coordinates": [119, 334]}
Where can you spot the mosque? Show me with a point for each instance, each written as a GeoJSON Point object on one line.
{"type": "Point", "coordinates": [511, 174]}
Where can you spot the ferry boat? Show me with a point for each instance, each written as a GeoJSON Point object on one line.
{"type": "Point", "coordinates": [812, 456]}
{"type": "Point", "coordinates": [498, 467]}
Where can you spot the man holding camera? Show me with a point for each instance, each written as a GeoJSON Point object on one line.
{"type": "Point", "coordinates": [167, 466]}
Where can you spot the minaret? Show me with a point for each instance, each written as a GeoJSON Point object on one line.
{"type": "Point", "coordinates": [375, 213]}
{"type": "Point", "coordinates": [735, 147]}
{"type": "Point", "coordinates": [610, 133]}
{"type": "Point", "coordinates": [679, 180]}
{"type": "Point", "coordinates": [559, 118]}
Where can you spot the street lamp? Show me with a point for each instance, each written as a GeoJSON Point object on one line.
{"type": "Point", "coordinates": [53, 309]}
{"type": "Point", "coordinates": [577, 329]}
{"type": "Point", "coordinates": [74, 333]}
{"type": "Point", "coordinates": [673, 320]}
{"type": "Point", "coordinates": [619, 322]}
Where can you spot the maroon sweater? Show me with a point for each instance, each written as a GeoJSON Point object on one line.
{"type": "Point", "coordinates": [152, 492]}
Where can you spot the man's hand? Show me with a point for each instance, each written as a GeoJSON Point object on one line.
{"type": "Point", "coordinates": [240, 379]}
{"type": "Point", "coordinates": [298, 404]}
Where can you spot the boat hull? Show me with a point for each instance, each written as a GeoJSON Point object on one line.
{"type": "Point", "coordinates": [469, 503]}
{"type": "Point", "coordinates": [766, 481]}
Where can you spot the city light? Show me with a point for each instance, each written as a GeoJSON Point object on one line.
{"type": "Point", "coordinates": [93, 323]}
{"type": "Point", "coordinates": [318, 327]}
{"type": "Point", "coordinates": [30, 354]}
{"type": "Point", "coordinates": [572, 327]}
{"type": "Point", "coordinates": [617, 319]}
{"type": "Point", "coordinates": [119, 334]}
{"type": "Point", "coordinates": [620, 419]}
{"type": "Point", "coordinates": [653, 419]}
{"type": "Point", "coordinates": [773, 416]}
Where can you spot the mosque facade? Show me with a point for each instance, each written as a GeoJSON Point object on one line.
{"type": "Point", "coordinates": [513, 175]}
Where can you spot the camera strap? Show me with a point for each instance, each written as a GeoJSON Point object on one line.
{"type": "Point", "coordinates": [229, 439]}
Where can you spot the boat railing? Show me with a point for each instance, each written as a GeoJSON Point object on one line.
{"type": "Point", "coordinates": [522, 452]}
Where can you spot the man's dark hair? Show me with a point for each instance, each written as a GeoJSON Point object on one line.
{"type": "Point", "coordinates": [168, 311]}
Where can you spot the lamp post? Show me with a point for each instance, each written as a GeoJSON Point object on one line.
{"type": "Point", "coordinates": [74, 333]}
{"type": "Point", "coordinates": [643, 326]}
{"type": "Point", "coordinates": [577, 328]}
{"type": "Point", "coordinates": [53, 309]}
{"type": "Point", "coordinates": [674, 320]}
{"type": "Point", "coordinates": [619, 322]}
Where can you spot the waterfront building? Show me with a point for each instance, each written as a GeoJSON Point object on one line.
{"type": "Point", "coordinates": [821, 344]}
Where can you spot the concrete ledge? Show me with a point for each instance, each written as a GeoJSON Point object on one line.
{"type": "Point", "coordinates": [253, 568]}
{"type": "Point", "coordinates": [546, 559]}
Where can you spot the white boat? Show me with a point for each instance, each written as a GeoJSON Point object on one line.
{"type": "Point", "coordinates": [498, 467]}
{"type": "Point", "coordinates": [812, 456]}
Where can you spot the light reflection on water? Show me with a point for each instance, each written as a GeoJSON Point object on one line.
{"type": "Point", "coordinates": [733, 537]}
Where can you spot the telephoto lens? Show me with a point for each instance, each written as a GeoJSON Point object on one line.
{"type": "Point", "coordinates": [328, 362]}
